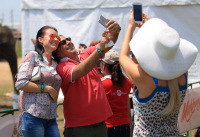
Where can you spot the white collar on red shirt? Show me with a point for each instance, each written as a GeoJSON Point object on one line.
{"type": "Point", "coordinates": [64, 59]}
{"type": "Point", "coordinates": [105, 77]}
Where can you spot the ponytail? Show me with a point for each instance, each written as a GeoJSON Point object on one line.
{"type": "Point", "coordinates": [117, 76]}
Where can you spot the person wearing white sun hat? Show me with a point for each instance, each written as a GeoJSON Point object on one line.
{"type": "Point", "coordinates": [160, 75]}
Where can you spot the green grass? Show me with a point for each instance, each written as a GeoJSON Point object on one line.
{"type": "Point", "coordinates": [18, 48]}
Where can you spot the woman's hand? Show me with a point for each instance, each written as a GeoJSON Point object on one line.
{"type": "Point", "coordinates": [132, 23]}
{"type": "Point", "coordinates": [52, 92]}
{"type": "Point", "coordinates": [145, 18]}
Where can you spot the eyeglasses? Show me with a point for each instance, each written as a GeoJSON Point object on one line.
{"type": "Point", "coordinates": [63, 42]}
{"type": "Point", "coordinates": [52, 36]}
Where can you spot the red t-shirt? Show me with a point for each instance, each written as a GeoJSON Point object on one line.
{"type": "Point", "coordinates": [85, 101]}
{"type": "Point", "coordinates": [117, 97]}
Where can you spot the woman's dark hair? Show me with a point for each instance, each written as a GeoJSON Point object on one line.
{"type": "Point", "coordinates": [38, 46]}
{"type": "Point", "coordinates": [116, 74]}
{"type": "Point", "coordinates": [55, 55]}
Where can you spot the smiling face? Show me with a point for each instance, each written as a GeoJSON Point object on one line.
{"type": "Point", "coordinates": [49, 40]}
{"type": "Point", "coordinates": [66, 48]}
{"type": "Point", "coordinates": [69, 46]}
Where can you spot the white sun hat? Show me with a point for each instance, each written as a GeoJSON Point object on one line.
{"type": "Point", "coordinates": [161, 52]}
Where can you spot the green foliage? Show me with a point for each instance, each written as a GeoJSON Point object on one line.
{"type": "Point", "coordinates": [18, 48]}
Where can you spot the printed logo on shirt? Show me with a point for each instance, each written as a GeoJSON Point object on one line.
{"type": "Point", "coordinates": [118, 93]}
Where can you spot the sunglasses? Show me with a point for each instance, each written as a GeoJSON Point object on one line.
{"type": "Point", "coordinates": [63, 42]}
{"type": "Point", "coordinates": [52, 36]}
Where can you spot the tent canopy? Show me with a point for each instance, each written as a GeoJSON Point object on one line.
{"type": "Point", "coordinates": [91, 4]}
{"type": "Point", "coordinates": [78, 19]}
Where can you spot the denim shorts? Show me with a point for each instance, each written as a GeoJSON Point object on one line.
{"type": "Point", "coordinates": [38, 127]}
{"type": "Point", "coordinates": [119, 131]}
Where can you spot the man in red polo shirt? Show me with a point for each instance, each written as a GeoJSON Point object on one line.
{"type": "Point", "coordinates": [85, 103]}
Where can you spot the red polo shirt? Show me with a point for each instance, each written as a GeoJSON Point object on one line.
{"type": "Point", "coordinates": [85, 101]}
{"type": "Point", "coordinates": [117, 97]}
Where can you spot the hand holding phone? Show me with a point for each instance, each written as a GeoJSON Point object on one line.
{"type": "Point", "coordinates": [103, 21]}
{"type": "Point", "coordinates": [137, 9]}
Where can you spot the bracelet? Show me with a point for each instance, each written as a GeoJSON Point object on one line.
{"type": "Point", "coordinates": [42, 87]}
{"type": "Point", "coordinates": [99, 51]}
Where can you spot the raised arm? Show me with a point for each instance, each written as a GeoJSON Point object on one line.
{"type": "Point", "coordinates": [132, 69]}
{"type": "Point", "coordinates": [88, 64]}
{"type": "Point", "coordinates": [128, 65]}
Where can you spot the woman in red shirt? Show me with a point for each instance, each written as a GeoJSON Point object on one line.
{"type": "Point", "coordinates": [117, 88]}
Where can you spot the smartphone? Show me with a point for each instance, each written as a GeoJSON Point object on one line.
{"type": "Point", "coordinates": [137, 8]}
{"type": "Point", "coordinates": [103, 21]}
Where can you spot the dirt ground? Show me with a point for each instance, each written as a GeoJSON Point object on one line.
{"type": "Point", "coordinates": [6, 84]}
{"type": "Point", "coordinates": [5, 72]}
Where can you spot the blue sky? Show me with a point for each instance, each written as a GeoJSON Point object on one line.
{"type": "Point", "coordinates": [6, 7]}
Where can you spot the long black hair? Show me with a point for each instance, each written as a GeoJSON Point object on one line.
{"type": "Point", "coordinates": [117, 76]}
{"type": "Point", "coordinates": [55, 55]}
{"type": "Point", "coordinates": [38, 46]}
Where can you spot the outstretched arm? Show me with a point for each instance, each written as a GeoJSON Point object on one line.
{"type": "Point", "coordinates": [88, 64]}
{"type": "Point", "coordinates": [124, 58]}
{"type": "Point", "coordinates": [131, 69]}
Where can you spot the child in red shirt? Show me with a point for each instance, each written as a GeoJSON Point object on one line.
{"type": "Point", "coordinates": [117, 88]}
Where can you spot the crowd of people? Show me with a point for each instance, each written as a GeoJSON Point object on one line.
{"type": "Point", "coordinates": [100, 107]}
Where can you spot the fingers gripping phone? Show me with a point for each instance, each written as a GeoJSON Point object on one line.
{"type": "Point", "coordinates": [103, 21]}
{"type": "Point", "coordinates": [137, 8]}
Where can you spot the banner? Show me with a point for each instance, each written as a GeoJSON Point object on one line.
{"type": "Point", "coordinates": [8, 126]}
{"type": "Point", "coordinates": [189, 115]}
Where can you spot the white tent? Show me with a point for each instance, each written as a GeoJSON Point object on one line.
{"type": "Point", "coordinates": [79, 20]}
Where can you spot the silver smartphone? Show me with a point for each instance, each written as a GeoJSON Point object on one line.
{"type": "Point", "coordinates": [137, 8]}
{"type": "Point", "coordinates": [103, 21]}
